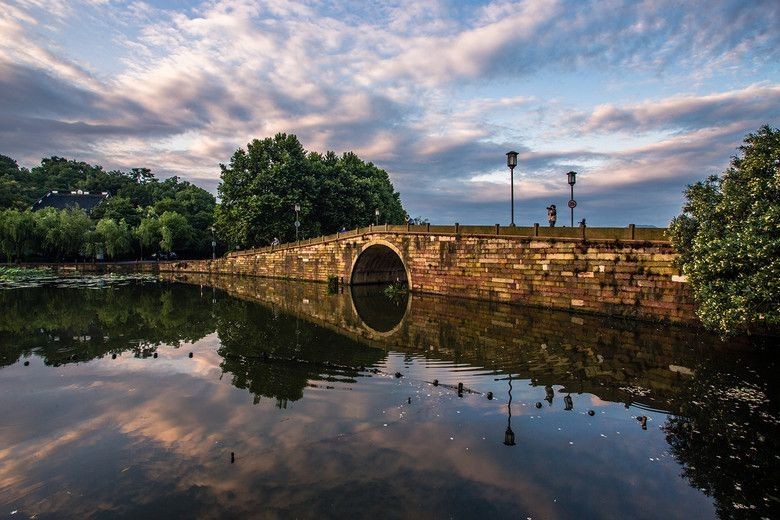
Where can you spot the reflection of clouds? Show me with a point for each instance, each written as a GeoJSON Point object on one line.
{"type": "Point", "coordinates": [169, 440]}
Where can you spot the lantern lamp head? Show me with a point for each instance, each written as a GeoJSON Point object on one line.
{"type": "Point", "coordinates": [572, 178]}
{"type": "Point", "coordinates": [511, 159]}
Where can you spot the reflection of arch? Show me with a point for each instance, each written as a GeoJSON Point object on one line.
{"type": "Point", "coordinates": [379, 263]}
{"type": "Point", "coordinates": [382, 316]}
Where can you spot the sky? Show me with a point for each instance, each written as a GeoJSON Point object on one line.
{"type": "Point", "coordinates": [641, 98]}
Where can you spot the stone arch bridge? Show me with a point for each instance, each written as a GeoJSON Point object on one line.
{"type": "Point", "coordinates": [615, 271]}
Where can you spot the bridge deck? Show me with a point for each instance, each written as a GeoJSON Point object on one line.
{"type": "Point", "coordinates": [629, 233]}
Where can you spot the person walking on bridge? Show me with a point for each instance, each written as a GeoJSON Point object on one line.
{"type": "Point", "coordinates": [552, 214]}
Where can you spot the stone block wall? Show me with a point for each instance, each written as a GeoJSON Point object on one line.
{"type": "Point", "coordinates": [615, 277]}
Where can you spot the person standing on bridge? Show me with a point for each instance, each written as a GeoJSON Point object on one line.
{"type": "Point", "coordinates": [552, 214]}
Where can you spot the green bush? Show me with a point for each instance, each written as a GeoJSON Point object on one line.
{"type": "Point", "coordinates": [728, 237]}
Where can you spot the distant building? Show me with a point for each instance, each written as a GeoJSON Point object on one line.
{"type": "Point", "coordinates": [75, 199]}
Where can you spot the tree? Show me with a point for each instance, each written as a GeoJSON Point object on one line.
{"type": "Point", "coordinates": [118, 208]}
{"type": "Point", "coordinates": [17, 232]}
{"type": "Point", "coordinates": [114, 236]}
{"type": "Point", "coordinates": [9, 184]}
{"type": "Point", "coordinates": [148, 233]}
{"type": "Point", "coordinates": [74, 226]}
{"type": "Point", "coordinates": [262, 184]}
{"type": "Point", "coordinates": [176, 233]}
{"type": "Point", "coordinates": [61, 234]}
{"type": "Point", "coordinates": [728, 237]}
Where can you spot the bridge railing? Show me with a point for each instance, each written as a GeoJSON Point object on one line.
{"type": "Point", "coordinates": [584, 233]}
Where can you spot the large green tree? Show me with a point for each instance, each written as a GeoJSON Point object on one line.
{"type": "Point", "coordinates": [261, 185]}
{"type": "Point", "coordinates": [728, 237]}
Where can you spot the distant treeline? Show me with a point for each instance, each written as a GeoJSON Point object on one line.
{"type": "Point", "coordinates": [141, 216]}
{"type": "Point", "coordinates": [260, 189]}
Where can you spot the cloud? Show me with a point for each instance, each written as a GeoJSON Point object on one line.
{"type": "Point", "coordinates": [435, 93]}
{"type": "Point", "coordinates": [755, 103]}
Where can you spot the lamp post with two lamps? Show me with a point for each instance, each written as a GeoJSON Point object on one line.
{"type": "Point", "coordinates": [297, 220]}
{"type": "Point", "coordinates": [572, 203]}
{"type": "Point", "coordinates": [213, 245]}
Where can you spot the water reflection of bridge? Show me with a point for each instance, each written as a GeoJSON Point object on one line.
{"type": "Point", "coordinates": [614, 360]}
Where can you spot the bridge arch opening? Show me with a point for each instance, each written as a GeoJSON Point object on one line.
{"type": "Point", "coordinates": [379, 264]}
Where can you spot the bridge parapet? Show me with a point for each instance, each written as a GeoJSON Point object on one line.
{"type": "Point", "coordinates": [629, 233]}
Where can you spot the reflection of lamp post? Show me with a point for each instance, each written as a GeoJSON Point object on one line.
{"type": "Point", "coordinates": [213, 245]}
{"type": "Point", "coordinates": [376, 216]}
{"type": "Point", "coordinates": [572, 203]}
{"type": "Point", "coordinates": [509, 435]}
{"type": "Point", "coordinates": [511, 162]}
{"type": "Point", "coordinates": [297, 220]}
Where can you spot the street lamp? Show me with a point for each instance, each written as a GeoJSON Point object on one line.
{"type": "Point", "coordinates": [511, 162]}
{"type": "Point", "coordinates": [376, 215]}
{"type": "Point", "coordinates": [297, 220]}
{"type": "Point", "coordinates": [213, 245]}
{"type": "Point", "coordinates": [572, 203]}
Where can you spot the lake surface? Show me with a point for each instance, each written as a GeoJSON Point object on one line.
{"type": "Point", "coordinates": [229, 397]}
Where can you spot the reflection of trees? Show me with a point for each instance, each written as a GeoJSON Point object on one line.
{"type": "Point", "coordinates": [65, 325]}
{"type": "Point", "coordinates": [725, 440]}
{"type": "Point", "coordinates": [276, 355]}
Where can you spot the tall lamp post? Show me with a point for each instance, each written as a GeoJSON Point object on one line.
{"type": "Point", "coordinates": [213, 245]}
{"type": "Point", "coordinates": [572, 203]}
{"type": "Point", "coordinates": [376, 216]}
{"type": "Point", "coordinates": [511, 162]}
{"type": "Point", "coordinates": [297, 220]}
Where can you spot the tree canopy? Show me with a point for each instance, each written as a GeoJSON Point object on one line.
{"type": "Point", "coordinates": [113, 226]}
{"type": "Point", "coordinates": [728, 237]}
{"type": "Point", "coordinates": [261, 185]}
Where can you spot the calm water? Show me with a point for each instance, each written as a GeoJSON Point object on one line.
{"type": "Point", "coordinates": [228, 397]}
